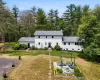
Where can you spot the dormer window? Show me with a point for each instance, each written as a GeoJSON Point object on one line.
{"type": "Point", "coordinates": [52, 36]}
{"type": "Point", "coordinates": [38, 36]}
{"type": "Point", "coordinates": [46, 36]}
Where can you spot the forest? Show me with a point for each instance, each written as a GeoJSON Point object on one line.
{"type": "Point", "coordinates": [77, 20]}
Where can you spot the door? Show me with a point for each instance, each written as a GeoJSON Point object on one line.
{"type": "Point", "coordinates": [28, 45]}
{"type": "Point", "coordinates": [49, 45]}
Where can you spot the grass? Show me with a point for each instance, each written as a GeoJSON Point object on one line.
{"type": "Point", "coordinates": [31, 68]}
{"type": "Point", "coordinates": [91, 71]}
{"type": "Point", "coordinates": [37, 68]}
{"type": "Point", "coordinates": [64, 53]}
{"type": "Point", "coordinates": [35, 53]}
{"type": "Point", "coordinates": [22, 53]}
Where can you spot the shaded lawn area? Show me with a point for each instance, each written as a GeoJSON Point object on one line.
{"type": "Point", "coordinates": [35, 53]}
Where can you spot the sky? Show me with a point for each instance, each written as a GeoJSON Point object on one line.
{"type": "Point", "coordinates": [49, 4]}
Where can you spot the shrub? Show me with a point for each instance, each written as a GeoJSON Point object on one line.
{"type": "Point", "coordinates": [91, 53]}
{"type": "Point", "coordinates": [77, 72]}
{"type": "Point", "coordinates": [58, 71]}
{"type": "Point", "coordinates": [57, 47]}
{"type": "Point", "coordinates": [16, 46]}
{"type": "Point", "coordinates": [33, 48]}
{"type": "Point", "coordinates": [23, 46]}
{"type": "Point", "coordinates": [45, 48]}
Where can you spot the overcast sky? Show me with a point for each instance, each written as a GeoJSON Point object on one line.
{"type": "Point", "coordinates": [49, 4]}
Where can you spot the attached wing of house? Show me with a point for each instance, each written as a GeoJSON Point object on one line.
{"type": "Point", "coordinates": [30, 41]}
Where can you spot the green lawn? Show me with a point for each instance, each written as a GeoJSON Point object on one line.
{"type": "Point", "coordinates": [34, 53]}
{"type": "Point", "coordinates": [64, 53]}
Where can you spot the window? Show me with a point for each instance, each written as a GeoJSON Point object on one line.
{"type": "Point", "coordinates": [64, 43]}
{"type": "Point", "coordinates": [76, 43]}
{"type": "Point", "coordinates": [38, 36]}
{"type": "Point", "coordinates": [62, 39]}
{"type": "Point", "coordinates": [39, 43]}
{"type": "Point", "coordinates": [45, 43]}
{"type": "Point", "coordinates": [52, 36]}
{"type": "Point", "coordinates": [46, 36]}
{"type": "Point", "coordinates": [69, 43]}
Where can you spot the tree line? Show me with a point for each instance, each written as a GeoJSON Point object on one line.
{"type": "Point", "coordinates": [77, 20]}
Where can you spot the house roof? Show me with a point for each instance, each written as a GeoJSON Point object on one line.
{"type": "Point", "coordinates": [60, 33]}
{"type": "Point", "coordinates": [26, 39]}
{"type": "Point", "coordinates": [70, 39]}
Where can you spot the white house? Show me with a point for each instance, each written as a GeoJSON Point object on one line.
{"type": "Point", "coordinates": [45, 39]}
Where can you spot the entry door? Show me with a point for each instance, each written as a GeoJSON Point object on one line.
{"type": "Point", "coordinates": [49, 45]}
{"type": "Point", "coordinates": [28, 45]}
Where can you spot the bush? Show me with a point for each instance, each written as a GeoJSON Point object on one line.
{"type": "Point", "coordinates": [77, 72]}
{"type": "Point", "coordinates": [57, 47]}
{"type": "Point", "coordinates": [58, 71]}
{"type": "Point", "coordinates": [91, 53]}
{"type": "Point", "coordinates": [16, 46]}
{"type": "Point", "coordinates": [45, 48]}
{"type": "Point", "coordinates": [33, 48]}
{"type": "Point", "coordinates": [23, 46]}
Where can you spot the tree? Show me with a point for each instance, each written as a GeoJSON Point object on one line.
{"type": "Point", "coordinates": [41, 20]}
{"type": "Point", "coordinates": [34, 9]}
{"type": "Point", "coordinates": [15, 11]}
{"type": "Point", "coordinates": [69, 16]}
{"type": "Point", "coordinates": [50, 20]}
{"type": "Point", "coordinates": [6, 21]}
{"type": "Point", "coordinates": [86, 9]}
{"type": "Point", "coordinates": [87, 29]}
{"type": "Point", "coordinates": [56, 19]}
{"type": "Point", "coordinates": [27, 23]}
{"type": "Point", "coordinates": [41, 17]}
{"type": "Point", "coordinates": [96, 12]}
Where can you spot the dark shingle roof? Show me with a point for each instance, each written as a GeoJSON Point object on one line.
{"type": "Point", "coordinates": [26, 39]}
{"type": "Point", "coordinates": [70, 39]}
{"type": "Point", "coordinates": [60, 33]}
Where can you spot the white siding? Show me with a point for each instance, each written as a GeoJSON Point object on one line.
{"type": "Point", "coordinates": [72, 47]}
{"type": "Point", "coordinates": [45, 41]}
